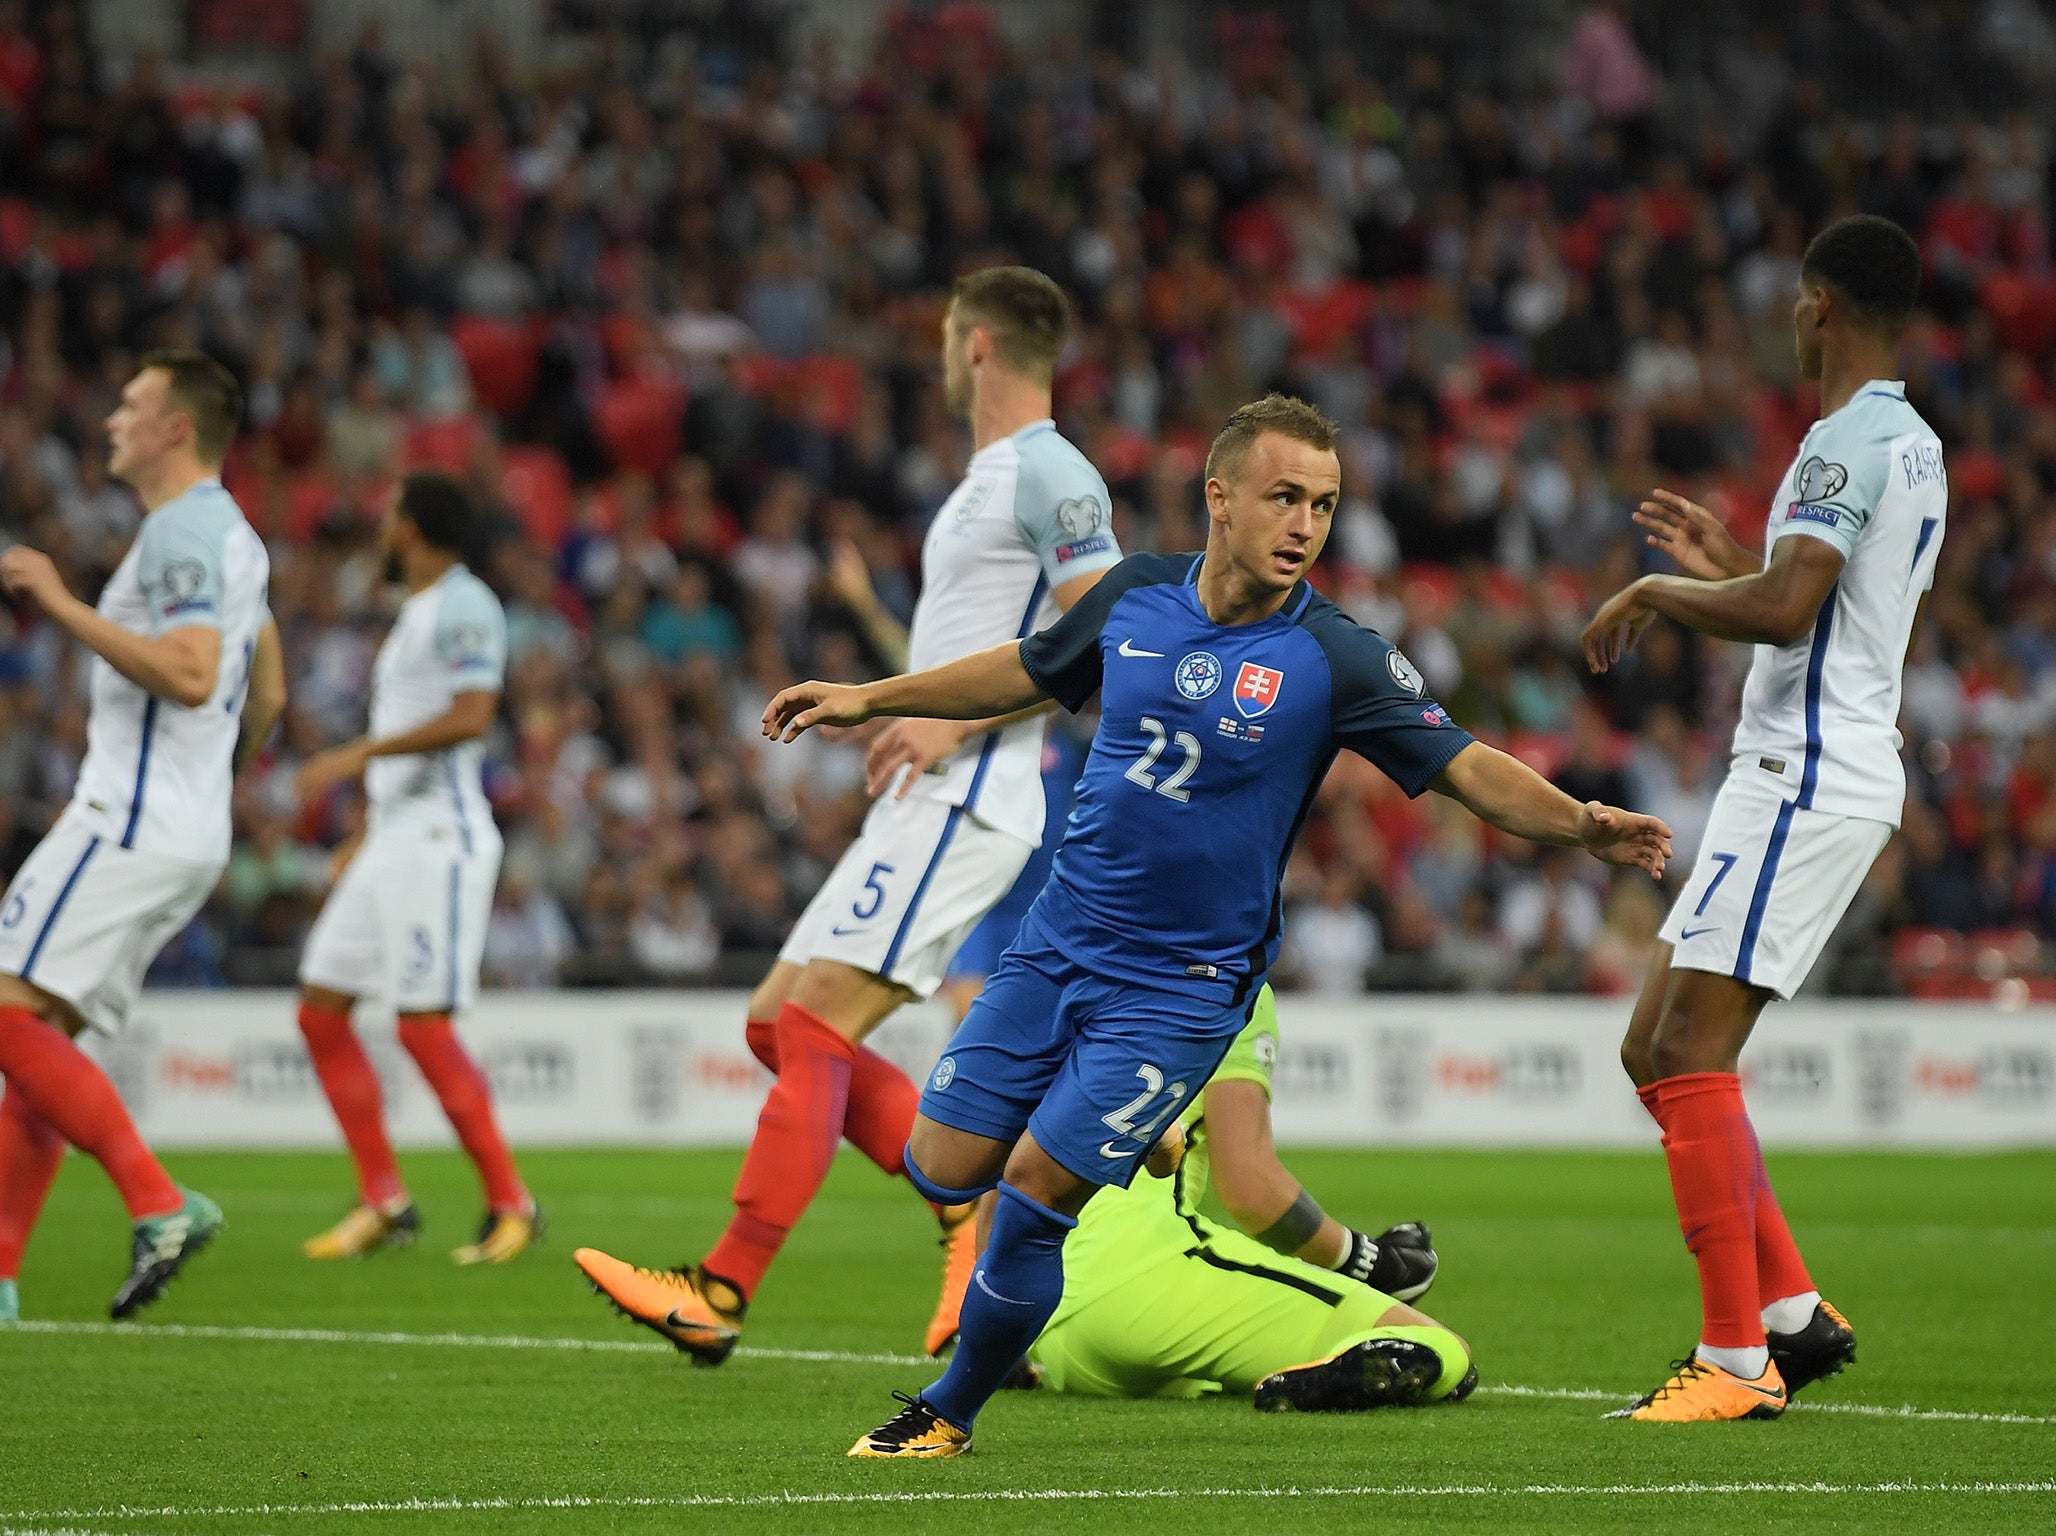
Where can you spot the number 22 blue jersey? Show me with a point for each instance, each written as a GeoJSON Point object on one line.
{"type": "Point", "coordinates": [1212, 744]}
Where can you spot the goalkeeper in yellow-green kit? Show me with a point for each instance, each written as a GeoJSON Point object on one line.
{"type": "Point", "coordinates": [1160, 1301]}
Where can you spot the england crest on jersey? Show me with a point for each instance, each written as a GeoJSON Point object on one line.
{"type": "Point", "coordinates": [1256, 689]}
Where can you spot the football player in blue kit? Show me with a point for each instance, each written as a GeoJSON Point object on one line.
{"type": "Point", "coordinates": [1228, 685]}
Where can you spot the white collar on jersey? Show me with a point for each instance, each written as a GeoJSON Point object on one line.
{"type": "Point", "coordinates": [1046, 424]}
{"type": "Point", "coordinates": [1891, 389]}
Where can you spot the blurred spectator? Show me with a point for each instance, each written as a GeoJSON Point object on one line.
{"type": "Point", "coordinates": [1331, 942]}
{"type": "Point", "coordinates": [1551, 913]}
{"type": "Point", "coordinates": [528, 938]}
{"type": "Point", "coordinates": [672, 935]}
{"type": "Point", "coordinates": [680, 334]}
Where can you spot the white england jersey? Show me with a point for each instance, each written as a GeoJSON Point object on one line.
{"type": "Point", "coordinates": [1821, 714]}
{"type": "Point", "coordinates": [157, 775]}
{"type": "Point", "coordinates": [449, 638]}
{"type": "Point", "coordinates": [1031, 514]}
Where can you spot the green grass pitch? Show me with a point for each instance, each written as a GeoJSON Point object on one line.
{"type": "Point", "coordinates": [456, 1401]}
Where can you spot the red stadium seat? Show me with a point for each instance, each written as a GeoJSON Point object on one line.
{"type": "Point", "coordinates": [500, 356]}
{"type": "Point", "coordinates": [759, 373]}
{"type": "Point", "coordinates": [537, 486]}
{"type": "Point", "coordinates": [622, 335]}
{"type": "Point", "coordinates": [1929, 949]}
{"type": "Point", "coordinates": [2023, 310]}
{"type": "Point", "coordinates": [639, 421]}
{"type": "Point", "coordinates": [312, 501]}
{"type": "Point", "coordinates": [17, 223]}
{"type": "Point", "coordinates": [2001, 952]}
{"type": "Point", "coordinates": [1506, 591]}
{"type": "Point", "coordinates": [1567, 588]}
{"type": "Point", "coordinates": [444, 444]}
{"type": "Point", "coordinates": [1318, 316]}
{"type": "Point", "coordinates": [1976, 474]}
{"type": "Point", "coordinates": [1543, 751]}
{"type": "Point", "coordinates": [835, 382]}
{"type": "Point", "coordinates": [1433, 586]}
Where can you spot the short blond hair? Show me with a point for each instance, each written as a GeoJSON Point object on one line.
{"type": "Point", "coordinates": [1285, 415]}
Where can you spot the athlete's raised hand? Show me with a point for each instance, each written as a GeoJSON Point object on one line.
{"type": "Point", "coordinates": [1694, 537]}
{"type": "Point", "coordinates": [30, 573]}
{"type": "Point", "coordinates": [1616, 627]}
{"type": "Point", "coordinates": [805, 705]}
{"type": "Point", "coordinates": [1615, 836]}
{"type": "Point", "coordinates": [849, 577]}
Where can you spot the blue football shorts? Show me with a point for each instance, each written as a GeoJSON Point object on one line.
{"type": "Point", "coordinates": [1094, 1066]}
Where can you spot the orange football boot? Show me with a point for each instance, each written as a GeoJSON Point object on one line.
{"type": "Point", "coordinates": [1700, 1392]}
{"type": "Point", "coordinates": [916, 1431]}
{"type": "Point", "coordinates": [667, 1301]}
{"type": "Point", "coordinates": [959, 1258]}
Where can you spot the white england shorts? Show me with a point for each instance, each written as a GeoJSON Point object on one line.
{"type": "Point", "coordinates": [85, 916]}
{"type": "Point", "coordinates": [1772, 881]}
{"type": "Point", "coordinates": [900, 902]}
{"type": "Point", "coordinates": [406, 923]}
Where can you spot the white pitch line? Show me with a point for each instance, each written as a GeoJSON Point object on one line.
{"type": "Point", "coordinates": [441, 1340]}
{"type": "Point", "coordinates": [1030, 1495]}
{"type": "Point", "coordinates": [1864, 1410]}
{"type": "Point", "coordinates": [844, 1357]}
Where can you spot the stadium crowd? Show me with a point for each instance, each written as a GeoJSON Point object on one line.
{"type": "Point", "coordinates": [673, 311]}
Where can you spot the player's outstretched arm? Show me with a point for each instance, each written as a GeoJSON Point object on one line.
{"type": "Point", "coordinates": [974, 687]}
{"type": "Point", "coordinates": [1694, 537]}
{"type": "Point", "coordinates": [1775, 606]}
{"type": "Point", "coordinates": [469, 716]}
{"type": "Point", "coordinates": [1513, 797]}
{"type": "Point", "coordinates": [264, 695]}
{"type": "Point", "coordinates": [181, 665]}
{"type": "Point", "coordinates": [918, 745]}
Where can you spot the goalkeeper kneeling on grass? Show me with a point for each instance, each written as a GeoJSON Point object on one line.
{"type": "Point", "coordinates": [1295, 1308]}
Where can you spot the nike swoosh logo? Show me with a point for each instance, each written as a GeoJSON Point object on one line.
{"type": "Point", "coordinates": [693, 1326]}
{"type": "Point", "coordinates": [1693, 933]}
{"type": "Point", "coordinates": [843, 933]}
{"type": "Point", "coordinates": [979, 1276]}
{"type": "Point", "coordinates": [1772, 1393]}
{"type": "Point", "coordinates": [1113, 1149]}
{"type": "Point", "coordinates": [1128, 649]}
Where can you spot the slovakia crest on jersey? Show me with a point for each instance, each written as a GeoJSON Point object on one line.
{"type": "Point", "coordinates": [1256, 689]}
{"type": "Point", "coordinates": [1197, 675]}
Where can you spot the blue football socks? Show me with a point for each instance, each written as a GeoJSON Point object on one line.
{"type": "Point", "coordinates": [1014, 1293]}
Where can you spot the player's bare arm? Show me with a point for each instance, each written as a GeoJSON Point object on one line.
{"type": "Point", "coordinates": [469, 716]}
{"type": "Point", "coordinates": [975, 687]}
{"type": "Point", "coordinates": [181, 666]}
{"type": "Point", "coordinates": [1506, 793]}
{"type": "Point", "coordinates": [264, 699]}
{"type": "Point", "coordinates": [1692, 536]}
{"type": "Point", "coordinates": [919, 745]}
{"type": "Point", "coordinates": [1255, 1188]}
{"type": "Point", "coordinates": [849, 578]}
{"type": "Point", "coordinates": [1775, 606]}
